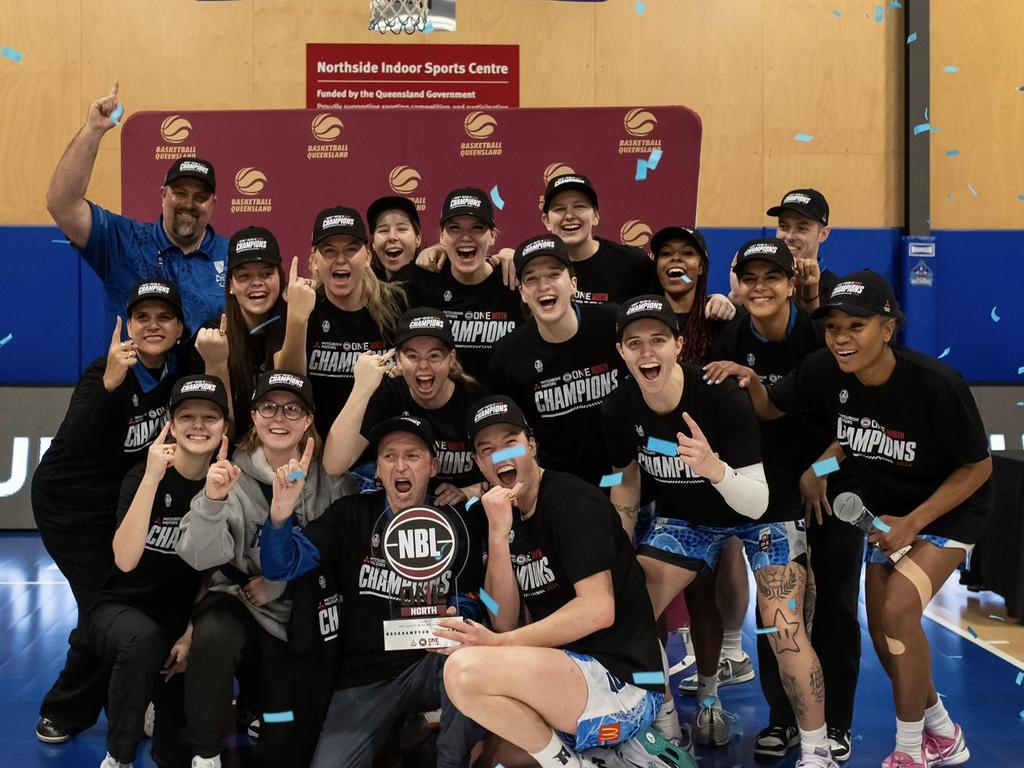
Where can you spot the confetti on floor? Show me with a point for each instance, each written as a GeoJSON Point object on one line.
{"type": "Point", "coordinates": [945, 353]}
{"type": "Point", "coordinates": [803, 137]}
{"type": "Point", "coordinates": [825, 467]}
{"type": "Point", "coordinates": [490, 602]}
{"type": "Point", "coordinates": [609, 481]}
{"type": "Point", "coordinates": [61, 242]}
{"type": "Point", "coordinates": [1020, 678]}
{"type": "Point", "coordinates": [496, 198]}
{"type": "Point", "coordinates": [664, 447]}
{"type": "Point", "coordinates": [6, 339]}
{"type": "Point", "coordinates": [994, 316]}
{"type": "Point", "coordinates": [508, 454]}
{"type": "Point", "coordinates": [649, 678]}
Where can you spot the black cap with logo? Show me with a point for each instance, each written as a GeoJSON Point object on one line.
{"type": "Point", "coordinates": [208, 388]}
{"type": "Point", "coordinates": [424, 321]}
{"type": "Point", "coordinates": [468, 201]}
{"type": "Point", "coordinates": [764, 249]}
{"type": "Point", "coordinates": [285, 381]}
{"type": "Point", "coordinates": [253, 244]}
{"type": "Point", "coordinates": [158, 290]}
{"type": "Point", "coordinates": [862, 294]}
{"type": "Point", "coordinates": [413, 425]}
{"type": "Point", "coordinates": [544, 245]}
{"type": "Point", "coordinates": [192, 168]}
{"type": "Point", "coordinates": [497, 409]}
{"type": "Point", "coordinates": [566, 182]}
{"type": "Point", "coordinates": [338, 220]}
{"type": "Point", "coordinates": [646, 307]}
{"type": "Point", "coordinates": [687, 235]}
{"type": "Point", "coordinates": [807, 202]}
{"type": "Point", "coordinates": [392, 203]}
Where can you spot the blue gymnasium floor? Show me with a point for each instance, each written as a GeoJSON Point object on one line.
{"type": "Point", "coordinates": [37, 611]}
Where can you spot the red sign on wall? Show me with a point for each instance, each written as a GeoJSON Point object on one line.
{"type": "Point", "coordinates": [390, 75]}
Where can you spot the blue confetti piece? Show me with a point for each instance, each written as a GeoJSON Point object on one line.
{"type": "Point", "coordinates": [954, 657]}
{"type": "Point", "coordinates": [994, 316]}
{"type": "Point", "coordinates": [997, 618]}
{"type": "Point", "coordinates": [945, 353]}
{"type": "Point", "coordinates": [896, 4]}
{"type": "Point", "coordinates": [654, 159]}
{"type": "Point", "coordinates": [640, 8]}
{"type": "Point", "coordinates": [6, 340]}
{"type": "Point", "coordinates": [950, 68]}
{"type": "Point", "coordinates": [926, 113]}
{"type": "Point", "coordinates": [766, 631]}
{"type": "Point", "coordinates": [825, 466]}
{"type": "Point", "coordinates": [664, 447]}
{"type": "Point", "coordinates": [879, 14]}
{"type": "Point", "coordinates": [792, 604]}
{"type": "Point", "coordinates": [972, 189]}
{"type": "Point", "coordinates": [490, 602]}
{"type": "Point", "coordinates": [883, 527]}
{"type": "Point", "coordinates": [707, 702]}
{"type": "Point", "coordinates": [10, 53]}
{"type": "Point", "coordinates": [496, 198]}
{"type": "Point", "coordinates": [472, 500]}
{"type": "Point", "coordinates": [1020, 404]}
{"type": "Point", "coordinates": [279, 717]}
{"type": "Point", "coordinates": [115, 116]}
{"type": "Point", "coordinates": [1020, 678]}
{"type": "Point", "coordinates": [687, 280]}
{"type": "Point", "coordinates": [298, 474]}
{"type": "Point", "coordinates": [911, 37]}
{"type": "Point", "coordinates": [609, 481]}
{"type": "Point", "coordinates": [264, 324]}
{"type": "Point", "coordinates": [952, 152]}
{"type": "Point", "coordinates": [837, 14]}
{"type": "Point", "coordinates": [61, 242]}
{"type": "Point", "coordinates": [922, 128]}
{"type": "Point", "coordinates": [1021, 714]}
{"type": "Point", "coordinates": [804, 137]}
{"type": "Point", "coordinates": [971, 632]}
{"type": "Point", "coordinates": [760, 561]}
{"type": "Point", "coordinates": [1020, 197]}
{"type": "Point", "coordinates": [648, 678]}
{"type": "Point", "coordinates": [508, 454]}
{"type": "Point", "coordinates": [428, 28]}
{"type": "Point", "coordinates": [1019, 370]}
{"type": "Point", "coordinates": [641, 169]}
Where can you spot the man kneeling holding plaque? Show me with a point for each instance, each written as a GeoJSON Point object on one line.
{"type": "Point", "coordinates": [397, 565]}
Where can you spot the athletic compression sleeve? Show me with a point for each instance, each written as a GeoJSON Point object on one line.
{"type": "Point", "coordinates": [286, 553]}
{"type": "Point", "coordinates": [745, 490]}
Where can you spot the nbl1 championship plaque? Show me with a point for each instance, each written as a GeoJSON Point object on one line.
{"type": "Point", "coordinates": [425, 549]}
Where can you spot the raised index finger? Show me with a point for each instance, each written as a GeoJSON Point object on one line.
{"type": "Point", "coordinates": [694, 429]}
{"type": "Point", "coordinates": [114, 89]}
{"type": "Point", "coordinates": [293, 275]}
{"type": "Point", "coordinates": [307, 455]}
{"type": "Point", "coordinates": [163, 434]}
{"type": "Point", "coordinates": [222, 454]}
{"type": "Point", "coordinates": [115, 339]}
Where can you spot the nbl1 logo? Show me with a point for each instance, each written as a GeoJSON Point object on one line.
{"type": "Point", "coordinates": [420, 543]}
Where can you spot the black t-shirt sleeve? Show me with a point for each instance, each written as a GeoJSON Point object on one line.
{"type": "Point", "coordinates": [378, 409]}
{"type": "Point", "coordinates": [723, 344]}
{"type": "Point", "coordinates": [621, 450]}
{"type": "Point", "coordinates": [956, 421]}
{"type": "Point", "coordinates": [326, 532]}
{"type": "Point", "coordinates": [129, 487]}
{"type": "Point", "coordinates": [802, 390]}
{"type": "Point", "coordinates": [738, 428]}
{"type": "Point", "coordinates": [585, 539]}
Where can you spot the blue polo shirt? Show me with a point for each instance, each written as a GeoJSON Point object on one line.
{"type": "Point", "coordinates": [122, 251]}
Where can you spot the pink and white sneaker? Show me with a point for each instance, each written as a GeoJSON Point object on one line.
{"type": "Point", "coordinates": [943, 750]}
{"type": "Point", "coordinates": [902, 760]}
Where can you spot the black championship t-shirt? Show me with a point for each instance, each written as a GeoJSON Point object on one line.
{"type": "Point", "coordinates": [334, 339]}
{"type": "Point", "coordinates": [480, 314]}
{"type": "Point", "coordinates": [791, 444]}
{"type": "Point", "coordinates": [348, 536]}
{"type": "Point", "coordinates": [904, 437]}
{"type": "Point", "coordinates": [454, 452]}
{"type": "Point", "coordinates": [725, 416]}
{"type": "Point", "coordinates": [162, 585]}
{"type": "Point", "coordinates": [573, 534]}
{"type": "Point", "coordinates": [615, 273]}
{"type": "Point", "coordinates": [714, 327]}
{"type": "Point", "coordinates": [560, 388]}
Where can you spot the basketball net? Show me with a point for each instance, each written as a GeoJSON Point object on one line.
{"type": "Point", "coordinates": [398, 16]}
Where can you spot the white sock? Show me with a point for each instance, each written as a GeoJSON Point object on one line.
{"type": "Point", "coordinates": [110, 762]}
{"type": "Point", "coordinates": [936, 720]}
{"type": "Point", "coordinates": [908, 738]}
{"type": "Point", "coordinates": [556, 755]}
{"type": "Point", "coordinates": [732, 644]}
{"type": "Point", "coordinates": [811, 739]}
{"type": "Point", "coordinates": [707, 685]}
{"type": "Point", "coordinates": [667, 721]}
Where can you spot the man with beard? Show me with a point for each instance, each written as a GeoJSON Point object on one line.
{"type": "Point", "coordinates": [180, 246]}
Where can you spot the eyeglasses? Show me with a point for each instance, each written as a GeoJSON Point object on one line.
{"type": "Point", "coordinates": [268, 410]}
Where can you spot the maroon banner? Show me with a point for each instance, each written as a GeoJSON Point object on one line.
{"type": "Point", "coordinates": [279, 168]}
{"type": "Point", "coordinates": [340, 75]}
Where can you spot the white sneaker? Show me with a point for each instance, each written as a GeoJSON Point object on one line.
{"type": "Point", "coordinates": [820, 758]}
{"type": "Point", "coordinates": [110, 762]}
{"type": "Point", "coordinates": [206, 762]}
{"type": "Point", "coordinates": [712, 725]}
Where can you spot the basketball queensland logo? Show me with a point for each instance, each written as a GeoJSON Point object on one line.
{"type": "Point", "coordinates": [404, 180]}
{"type": "Point", "coordinates": [480, 125]}
{"type": "Point", "coordinates": [635, 232]}
{"type": "Point", "coordinates": [326, 129]}
{"type": "Point", "coordinates": [174, 134]}
{"type": "Point", "coordinates": [250, 183]}
{"type": "Point", "coordinates": [639, 124]}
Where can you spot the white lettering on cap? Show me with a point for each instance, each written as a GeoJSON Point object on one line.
{"type": "Point", "coordinates": [251, 244]}
{"type": "Point", "coordinates": [426, 322]}
{"type": "Point", "coordinates": [285, 378]}
{"type": "Point", "coordinates": [796, 197]}
{"type": "Point", "coordinates": [412, 420]}
{"type": "Point", "coordinates": [850, 287]}
{"type": "Point", "coordinates": [192, 165]}
{"type": "Point", "coordinates": [762, 248]}
{"type": "Point", "coordinates": [569, 180]}
{"type": "Point", "coordinates": [338, 220]}
{"type": "Point", "coordinates": [147, 288]}
{"type": "Point", "coordinates": [494, 409]}
{"type": "Point", "coordinates": [646, 305]}
{"type": "Point", "coordinates": [465, 201]}
{"type": "Point", "coordinates": [198, 386]}
{"type": "Point", "coordinates": [536, 246]}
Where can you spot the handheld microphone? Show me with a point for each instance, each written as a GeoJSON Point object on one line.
{"type": "Point", "coordinates": [849, 508]}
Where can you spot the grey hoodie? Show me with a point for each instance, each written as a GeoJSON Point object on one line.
{"type": "Point", "coordinates": [217, 532]}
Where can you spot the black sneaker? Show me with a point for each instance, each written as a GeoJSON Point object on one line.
{"type": "Point", "coordinates": [776, 741]}
{"type": "Point", "coordinates": [839, 743]}
{"type": "Point", "coordinates": [49, 732]}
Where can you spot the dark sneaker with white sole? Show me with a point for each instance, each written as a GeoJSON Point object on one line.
{"type": "Point", "coordinates": [49, 732]}
{"type": "Point", "coordinates": [730, 672]}
{"type": "Point", "coordinates": [839, 743]}
{"type": "Point", "coordinates": [775, 741]}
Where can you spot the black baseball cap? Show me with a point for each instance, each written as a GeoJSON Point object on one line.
{"type": "Point", "coordinates": [807, 202]}
{"type": "Point", "coordinates": [192, 168]}
{"type": "Point", "coordinates": [392, 203]}
{"type": "Point", "coordinates": [424, 321]}
{"type": "Point", "coordinates": [161, 290]}
{"type": "Point", "coordinates": [253, 244]}
{"type": "Point", "coordinates": [338, 220]}
{"type": "Point", "coordinates": [414, 425]}
{"type": "Point", "coordinates": [566, 182]}
{"type": "Point", "coordinates": [468, 201]}
{"type": "Point", "coordinates": [497, 409]}
{"type": "Point", "coordinates": [764, 249]}
{"type": "Point", "coordinates": [863, 294]}
{"type": "Point", "coordinates": [687, 235]}
{"type": "Point", "coordinates": [199, 388]}
{"type": "Point", "coordinates": [285, 381]}
{"type": "Point", "coordinates": [544, 245]}
{"type": "Point", "coordinates": [653, 307]}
